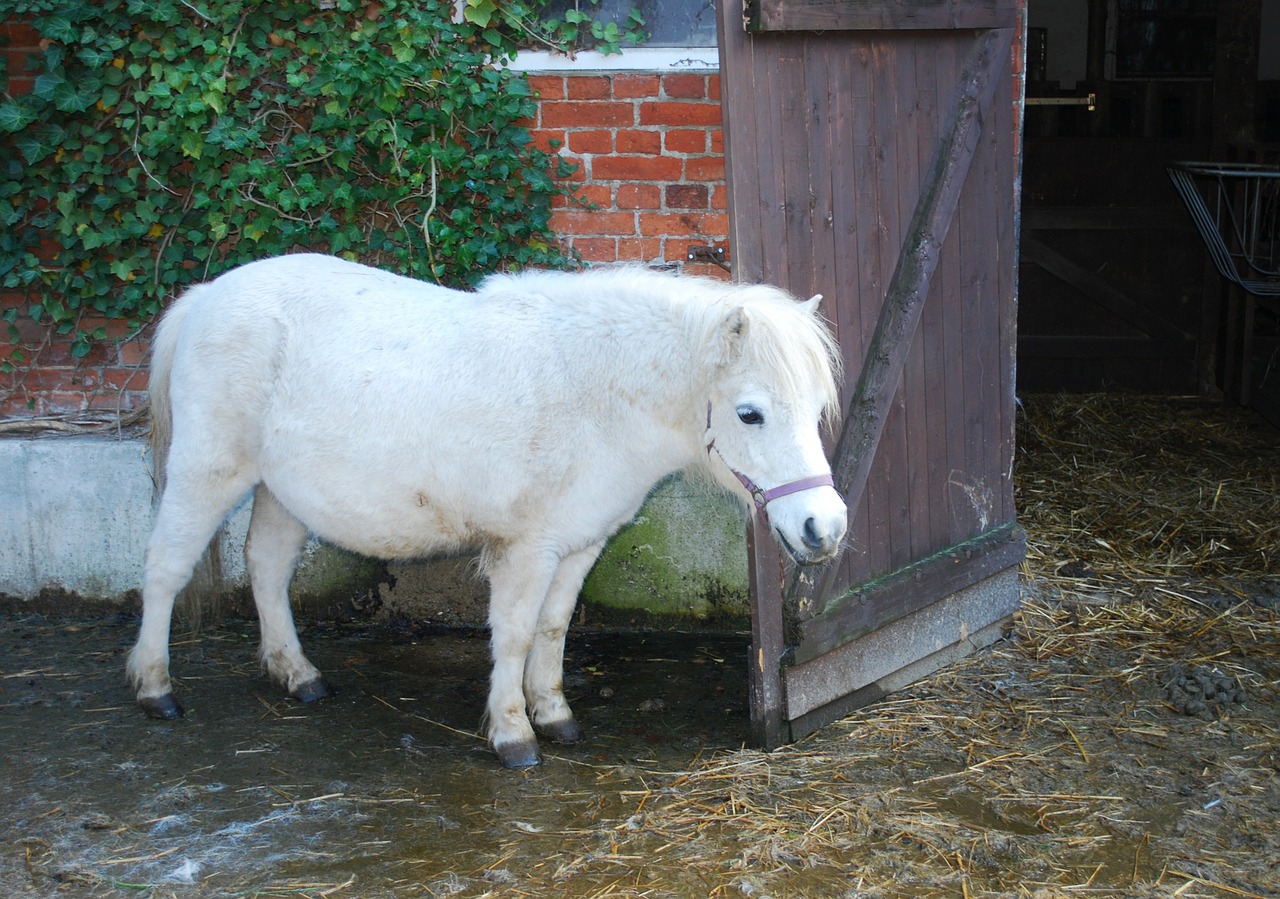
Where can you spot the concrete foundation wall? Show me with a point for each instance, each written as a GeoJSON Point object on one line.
{"type": "Point", "coordinates": [77, 512]}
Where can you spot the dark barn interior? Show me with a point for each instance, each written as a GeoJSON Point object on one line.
{"type": "Point", "coordinates": [1117, 288]}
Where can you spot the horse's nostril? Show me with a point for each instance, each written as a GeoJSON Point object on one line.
{"type": "Point", "coordinates": [811, 537]}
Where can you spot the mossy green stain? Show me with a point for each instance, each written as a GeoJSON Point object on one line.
{"type": "Point", "coordinates": [683, 556]}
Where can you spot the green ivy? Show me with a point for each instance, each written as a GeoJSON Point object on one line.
{"type": "Point", "coordinates": [166, 141]}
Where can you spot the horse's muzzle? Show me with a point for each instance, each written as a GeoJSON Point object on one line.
{"type": "Point", "coordinates": [815, 545]}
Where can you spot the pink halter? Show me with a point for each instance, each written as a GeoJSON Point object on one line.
{"type": "Point", "coordinates": [761, 496]}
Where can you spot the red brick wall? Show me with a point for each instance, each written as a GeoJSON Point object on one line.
{"type": "Point", "coordinates": [17, 42]}
{"type": "Point", "coordinates": [651, 160]}
{"type": "Point", "coordinates": [47, 378]}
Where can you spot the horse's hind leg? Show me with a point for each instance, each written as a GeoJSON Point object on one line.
{"type": "Point", "coordinates": [192, 509]}
{"type": "Point", "coordinates": [544, 670]}
{"type": "Point", "coordinates": [519, 580]}
{"type": "Point", "coordinates": [271, 554]}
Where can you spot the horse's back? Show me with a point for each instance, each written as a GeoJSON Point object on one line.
{"type": "Point", "coordinates": [262, 321]}
{"type": "Point", "coordinates": [302, 291]}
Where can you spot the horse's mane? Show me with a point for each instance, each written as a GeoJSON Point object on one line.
{"type": "Point", "coordinates": [783, 337]}
{"type": "Point", "coordinates": [794, 344]}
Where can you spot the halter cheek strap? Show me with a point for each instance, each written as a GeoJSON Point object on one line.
{"type": "Point", "coordinates": [761, 496]}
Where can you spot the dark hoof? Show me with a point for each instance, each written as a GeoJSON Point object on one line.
{"type": "Point", "coordinates": [519, 755]}
{"type": "Point", "coordinates": [163, 708]}
{"type": "Point", "coordinates": [566, 731]}
{"type": "Point", "coordinates": [312, 691]}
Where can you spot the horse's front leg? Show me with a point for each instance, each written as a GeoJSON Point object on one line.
{"type": "Point", "coordinates": [544, 670]}
{"type": "Point", "coordinates": [271, 554]}
{"type": "Point", "coordinates": [519, 581]}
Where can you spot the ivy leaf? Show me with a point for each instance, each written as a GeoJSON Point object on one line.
{"type": "Point", "coordinates": [480, 12]}
{"type": "Point", "coordinates": [216, 95]}
{"type": "Point", "coordinates": [94, 57]}
{"type": "Point", "coordinates": [15, 115]}
{"type": "Point", "coordinates": [91, 238]}
{"type": "Point", "coordinates": [45, 85]}
{"type": "Point", "coordinates": [33, 148]}
{"type": "Point", "coordinates": [192, 144]}
{"type": "Point", "coordinates": [69, 97]}
{"type": "Point", "coordinates": [255, 230]}
{"type": "Point", "coordinates": [58, 28]}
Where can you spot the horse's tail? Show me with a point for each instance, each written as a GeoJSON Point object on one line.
{"type": "Point", "coordinates": [164, 347]}
{"type": "Point", "coordinates": [204, 589]}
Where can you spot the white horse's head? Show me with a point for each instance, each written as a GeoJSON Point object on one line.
{"type": "Point", "coordinates": [776, 372]}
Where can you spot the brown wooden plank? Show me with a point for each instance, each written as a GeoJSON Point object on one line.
{"type": "Point", "coordinates": [787, 94]}
{"type": "Point", "coordinates": [909, 168]}
{"type": "Point", "coordinates": [896, 15]}
{"type": "Point", "coordinates": [866, 607]}
{"type": "Point", "coordinates": [975, 497]}
{"type": "Point", "coordinates": [873, 259]}
{"type": "Point", "coordinates": [764, 659]}
{"type": "Point", "coordinates": [1008, 173]}
{"type": "Point", "coordinates": [934, 80]}
{"type": "Point", "coordinates": [910, 638]}
{"type": "Point", "coordinates": [877, 548]}
{"type": "Point", "coordinates": [745, 152]}
{"type": "Point", "coordinates": [945, 367]}
{"type": "Point", "coordinates": [955, 389]}
{"type": "Point", "coordinates": [772, 189]}
{"type": "Point", "coordinates": [823, 84]}
{"type": "Point", "coordinates": [900, 313]}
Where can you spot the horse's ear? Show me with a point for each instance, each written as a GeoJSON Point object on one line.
{"type": "Point", "coordinates": [733, 330]}
{"type": "Point", "coordinates": [811, 304]}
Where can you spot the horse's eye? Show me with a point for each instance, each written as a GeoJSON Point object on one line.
{"type": "Point", "coordinates": [749, 415]}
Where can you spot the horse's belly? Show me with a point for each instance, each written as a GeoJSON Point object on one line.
{"type": "Point", "coordinates": [402, 495]}
{"type": "Point", "coordinates": [381, 542]}
{"type": "Point", "coordinates": [387, 524]}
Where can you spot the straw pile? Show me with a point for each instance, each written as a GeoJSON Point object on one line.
{"type": "Point", "coordinates": [1141, 494]}
{"type": "Point", "coordinates": [1055, 764]}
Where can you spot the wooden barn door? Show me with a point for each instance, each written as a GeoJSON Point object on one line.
{"type": "Point", "coordinates": [870, 156]}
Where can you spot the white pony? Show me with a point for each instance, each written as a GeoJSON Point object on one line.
{"type": "Point", "coordinates": [528, 420]}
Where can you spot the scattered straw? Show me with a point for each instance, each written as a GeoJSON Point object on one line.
{"type": "Point", "coordinates": [1050, 765]}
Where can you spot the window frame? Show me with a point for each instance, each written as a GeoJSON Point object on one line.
{"type": "Point", "coordinates": [631, 59]}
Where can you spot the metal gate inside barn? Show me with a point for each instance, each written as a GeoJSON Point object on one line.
{"type": "Point", "coordinates": [870, 156]}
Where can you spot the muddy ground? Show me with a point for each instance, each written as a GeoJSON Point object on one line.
{"type": "Point", "coordinates": [386, 786]}
{"type": "Point", "coordinates": [1023, 771]}
{"type": "Point", "coordinates": [1123, 740]}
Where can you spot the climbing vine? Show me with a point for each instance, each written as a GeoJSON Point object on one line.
{"type": "Point", "coordinates": [165, 141]}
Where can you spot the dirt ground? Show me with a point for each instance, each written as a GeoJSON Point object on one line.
{"type": "Point", "coordinates": [1123, 740]}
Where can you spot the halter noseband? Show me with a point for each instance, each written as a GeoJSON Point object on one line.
{"type": "Point", "coordinates": [761, 496]}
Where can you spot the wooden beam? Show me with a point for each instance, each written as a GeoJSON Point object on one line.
{"type": "Point", "coordinates": [1107, 218]}
{"type": "Point", "coordinates": [877, 15]}
{"type": "Point", "coordinates": [1097, 290]}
